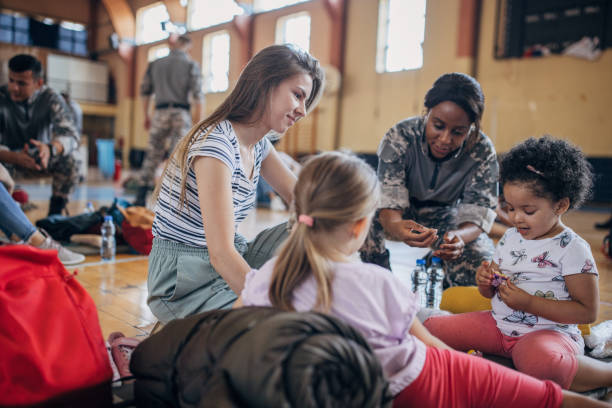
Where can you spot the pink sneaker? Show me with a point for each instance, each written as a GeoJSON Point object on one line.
{"type": "Point", "coordinates": [121, 349]}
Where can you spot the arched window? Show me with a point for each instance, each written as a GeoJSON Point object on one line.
{"type": "Point", "coordinates": [149, 23]}
{"type": "Point", "coordinates": [295, 29]}
{"type": "Point", "coordinates": [267, 5]}
{"type": "Point", "coordinates": [215, 61]}
{"type": "Point", "coordinates": [207, 13]}
{"type": "Point", "coordinates": [159, 51]}
{"type": "Point", "coordinates": [401, 31]}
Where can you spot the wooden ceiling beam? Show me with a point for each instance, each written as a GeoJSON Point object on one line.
{"type": "Point", "coordinates": [124, 24]}
{"type": "Point", "coordinates": [337, 13]}
{"type": "Point", "coordinates": [122, 18]}
{"type": "Point", "coordinates": [92, 38]}
{"type": "Point", "coordinates": [244, 28]}
{"type": "Point", "coordinates": [177, 13]}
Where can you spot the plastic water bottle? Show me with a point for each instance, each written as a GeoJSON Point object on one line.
{"type": "Point", "coordinates": [108, 248]}
{"type": "Point", "coordinates": [434, 283]}
{"type": "Point", "coordinates": [90, 208]}
{"type": "Point", "coordinates": [419, 282]}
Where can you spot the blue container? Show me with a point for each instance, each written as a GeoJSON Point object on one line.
{"type": "Point", "coordinates": [106, 156]}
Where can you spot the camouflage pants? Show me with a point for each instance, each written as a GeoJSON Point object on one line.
{"type": "Point", "coordinates": [64, 172]}
{"type": "Point", "coordinates": [459, 272]}
{"type": "Point", "coordinates": [167, 128]}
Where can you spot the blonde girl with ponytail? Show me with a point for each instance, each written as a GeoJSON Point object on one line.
{"type": "Point", "coordinates": [198, 262]}
{"type": "Point", "coordinates": [333, 205]}
{"type": "Point", "coordinates": [317, 268]}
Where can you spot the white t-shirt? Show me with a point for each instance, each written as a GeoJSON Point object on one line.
{"type": "Point", "coordinates": [185, 226]}
{"type": "Point", "coordinates": [539, 267]}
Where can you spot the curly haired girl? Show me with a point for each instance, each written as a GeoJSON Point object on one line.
{"type": "Point", "coordinates": [552, 279]}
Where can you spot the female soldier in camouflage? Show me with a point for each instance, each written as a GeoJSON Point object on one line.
{"type": "Point", "coordinates": [441, 171]}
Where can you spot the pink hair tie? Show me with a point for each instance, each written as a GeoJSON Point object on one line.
{"type": "Point", "coordinates": [533, 170]}
{"type": "Point", "coordinates": [306, 219]}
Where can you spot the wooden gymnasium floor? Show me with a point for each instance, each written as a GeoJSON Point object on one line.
{"type": "Point", "coordinates": [119, 288]}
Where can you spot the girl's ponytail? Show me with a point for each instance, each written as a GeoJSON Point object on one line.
{"type": "Point", "coordinates": [297, 260]}
{"type": "Point", "coordinates": [333, 189]}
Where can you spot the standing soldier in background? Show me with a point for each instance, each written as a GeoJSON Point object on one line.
{"type": "Point", "coordinates": [171, 79]}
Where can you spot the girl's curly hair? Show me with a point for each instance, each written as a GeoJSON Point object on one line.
{"type": "Point", "coordinates": [553, 168]}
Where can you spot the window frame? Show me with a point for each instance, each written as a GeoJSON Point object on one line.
{"type": "Point", "coordinates": [258, 8]}
{"type": "Point", "coordinates": [383, 44]}
{"type": "Point", "coordinates": [207, 63]}
{"type": "Point", "coordinates": [77, 38]}
{"type": "Point", "coordinates": [281, 24]}
{"type": "Point", "coordinates": [140, 24]}
{"type": "Point", "coordinates": [13, 27]}
{"type": "Point", "coordinates": [153, 50]}
{"type": "Point", "coordinates": [191, 14]}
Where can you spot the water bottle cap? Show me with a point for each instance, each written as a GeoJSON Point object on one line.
{"type": "Point", "coordinates": [108, 218]}
{"type": "Point", "coordinates": [435, 259]}
{"type": "Point", "coordinates": [420, 262]}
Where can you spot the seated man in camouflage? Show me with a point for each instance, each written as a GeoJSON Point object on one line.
{"type": "Point", "coordinates": [37, 134]}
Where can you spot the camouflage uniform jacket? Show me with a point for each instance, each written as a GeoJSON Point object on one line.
{"type": "Point", "coordinates": [172, 79]}
{"type": "Point", "coordinates": [43, 117]}
{"type": "Point", "coordinates": [468, 178]}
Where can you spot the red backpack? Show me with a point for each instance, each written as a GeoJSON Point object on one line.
{"type": "Point", "coordinates": [51, 347]}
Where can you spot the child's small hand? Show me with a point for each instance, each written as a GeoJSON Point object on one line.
{"type": "Point", "coordinates": [515, 297]}
{"type": "Point", "coordinates": [484, 277]}
{"type": "Point", "coordinates": [484, 274]}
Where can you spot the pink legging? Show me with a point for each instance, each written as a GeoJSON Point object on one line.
{"type": "Point", "coordinates": [458, 380]}
{"type": "Point", "coordinates": [544, 354]}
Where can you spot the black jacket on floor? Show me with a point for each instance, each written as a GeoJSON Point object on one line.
{"type": "Point", "coordinates": [258, 357]}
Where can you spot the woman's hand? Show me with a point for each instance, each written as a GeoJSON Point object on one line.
{"type": "Point", "coordinates": [452, 246]}
{"type": "Point", "coordinates": [408, 231]}
{"type": "Point", "coordinates": [484, 279]}
{"type": "Point", "coordinates": [412, 233]}
{"type": "Point", "coordinates": [515, 297]}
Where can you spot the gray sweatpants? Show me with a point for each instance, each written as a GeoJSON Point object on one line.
{"type": "Point", "coordinates": [182, 281]}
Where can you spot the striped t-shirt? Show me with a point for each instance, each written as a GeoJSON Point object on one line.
{"type": "Point", "coordinates": [185, 225]}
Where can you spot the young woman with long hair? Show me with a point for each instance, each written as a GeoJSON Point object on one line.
{"type": "Point", "coordinates": [198, 262]}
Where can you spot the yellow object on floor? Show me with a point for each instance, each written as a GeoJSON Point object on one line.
{"type": "Point", "coordinates": [585, 329]}
{"type": "Point", "coordinates": [463, 299]}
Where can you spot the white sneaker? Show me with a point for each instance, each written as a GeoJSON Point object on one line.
{"type": "Point", "coordinates": [66, 256]}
